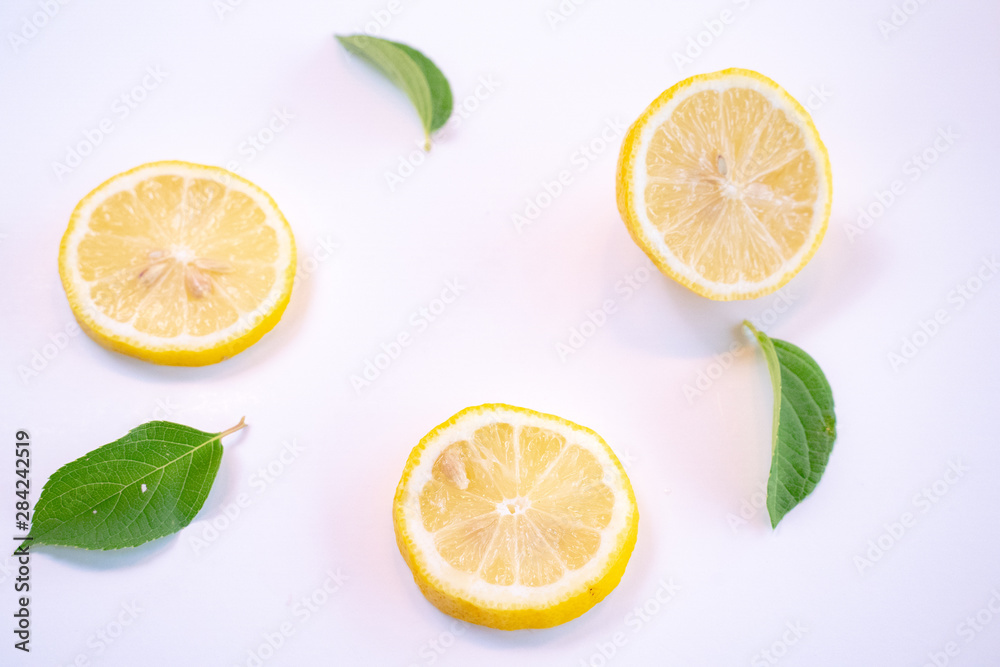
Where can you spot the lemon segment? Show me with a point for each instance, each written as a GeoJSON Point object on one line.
{"type": "Point", "coordinates": [724, 182]}
{"type": "Point", "coordinates": [177, 263]}
{"type": "Point", "coordinates": [514, 519]}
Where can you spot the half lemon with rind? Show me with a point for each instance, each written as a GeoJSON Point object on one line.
{"type": "Point", "coordinates": [724, 182]}
{"type": "Point", "coordinates": [513, 519]}
{"type": "Point", "coordinates": [177, 263]}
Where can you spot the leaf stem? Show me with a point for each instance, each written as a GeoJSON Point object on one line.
{"type": "Point", "coordinates": [748, 324]}
{"type": "Point", "coordinates": [230, 431]}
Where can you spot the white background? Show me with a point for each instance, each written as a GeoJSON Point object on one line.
{"type": "Point", "coordinates": [695, 464]}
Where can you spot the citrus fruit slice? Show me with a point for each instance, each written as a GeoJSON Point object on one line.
{"type": "Point", "coordinates": [723, 181]}
{"type": "Point", "coordinates": [514, 519]}
{"type": "Point", "coordinates": [177, 263]}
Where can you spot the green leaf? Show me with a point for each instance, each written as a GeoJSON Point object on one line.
{"type": "Point", "coordinates": [148, 484]}
{"type": "Point", "coordinates": [804, 424]}
{"type": "Point", "coordinates": [412, 72]}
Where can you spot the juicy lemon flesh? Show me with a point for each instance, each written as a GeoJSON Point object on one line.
{"type": "Point", "coordinates": [731, 186]}
{"type": "Point", "coordinates": [178, 255]}
{"type": "Point", "coordinates": [516, 506]}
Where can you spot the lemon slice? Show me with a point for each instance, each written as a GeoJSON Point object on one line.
{"type": "Point", "coordinates": [723, 181]}
{"type": "Point", "coordinates": [514, 519]}
{"type": "Point", "coordinates": [177, 263]}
